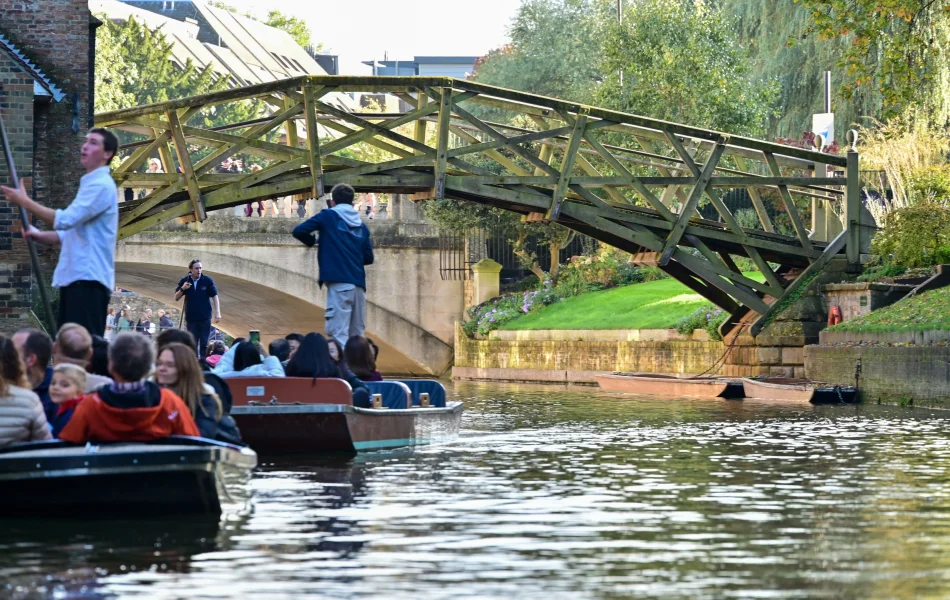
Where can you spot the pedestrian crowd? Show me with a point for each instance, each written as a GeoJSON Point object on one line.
{"type": "Point", "coordinates": [81, 388]}
{"type": "Point", "coordinates": [127, 321]}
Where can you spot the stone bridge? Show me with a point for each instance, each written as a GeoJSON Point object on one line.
{"type": "Point", "coordinates": [267, 280]}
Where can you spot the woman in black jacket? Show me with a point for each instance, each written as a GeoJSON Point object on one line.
{"type": "Point", "coordinates": [312, 359]}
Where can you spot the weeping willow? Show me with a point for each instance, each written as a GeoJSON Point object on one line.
{"type": "Point", "coordinates": [774, 34]}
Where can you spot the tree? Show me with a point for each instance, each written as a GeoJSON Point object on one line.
{"type": "Point", "coordinates": [113, 75]}
{"type": "Point", "coordinates": [553, 51]}
{"type": "Point", "coordinates": [893, 47]}
{"type": "Point", "coordinates": [681, 62]}
{"type": "Point", "coordinates": [295, 26]}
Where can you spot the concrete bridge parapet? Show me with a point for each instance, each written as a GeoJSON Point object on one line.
{"type": "Point", "coordinates": [267, 280]}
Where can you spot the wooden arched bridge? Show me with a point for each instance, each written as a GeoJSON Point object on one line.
{"type": "Point", "coordinates": [633, 182]}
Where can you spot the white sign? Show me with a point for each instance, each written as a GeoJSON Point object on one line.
{"type": "Point", "coordinates": [823, 124]}
{"type": "Point", "coordinates": [255, 390]}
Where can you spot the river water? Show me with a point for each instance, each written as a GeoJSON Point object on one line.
{"type": "Point", "coordinates": [555, 493]}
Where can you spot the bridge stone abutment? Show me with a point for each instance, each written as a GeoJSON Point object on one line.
{"type": "Point", "coordinates": [267, 280]}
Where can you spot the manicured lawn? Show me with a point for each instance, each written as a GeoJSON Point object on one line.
{"type": "Point", "coordinates": [925, 312]}
{"type": "Point", "coordinates": [650, 305]}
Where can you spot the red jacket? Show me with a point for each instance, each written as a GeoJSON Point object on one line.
{"type": "Point", "coordinates": [95, 420]}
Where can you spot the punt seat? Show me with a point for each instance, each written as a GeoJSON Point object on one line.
{"type": "Point", "coordinates": [288, 390]}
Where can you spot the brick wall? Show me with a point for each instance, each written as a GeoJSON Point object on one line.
{"type": "Point", "coordinates": [54, 34]}
{"type": "Point", "coordinates": [16, 108]}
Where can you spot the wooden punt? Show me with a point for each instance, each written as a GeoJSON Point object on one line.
{"type": "Point", "coordinates": [299, 414]}
{"type": "Point", "coordinates": [657, 384]}
{"type": "Point", "coordinates": [801, 390]}
{"type": "Point", "coordinates": [174, 476]}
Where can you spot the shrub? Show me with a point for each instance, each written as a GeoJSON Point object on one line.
{"type": "Point", "coordinates": [608, 268]}
{"type": "Point", "coordinates": [913, 236]}
{"type": "Point", "coordinates": [491, 315]}
{"type": "Point", "coordinates": [881, 271]}
{"type": "Point", "coordinates": [708, 318]}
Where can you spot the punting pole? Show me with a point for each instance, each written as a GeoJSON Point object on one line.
{"type": "Point", "coordinates": [25, 219]}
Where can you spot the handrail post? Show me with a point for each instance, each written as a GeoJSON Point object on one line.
{"type": "Point", "coordinates": [852, 208]}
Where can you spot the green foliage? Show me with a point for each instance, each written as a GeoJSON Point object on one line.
{"type": "Point", "coordinates": [491, 315]}
{"type": "Point", "coordinates": [682, 62]}
{"type": "Point", "coordinates": [554, 51]}
{"type": "Point", "coordinates": [295, 26]}
{"type": "Point", "coordinates": [881, 271]}
{"type": "Point", "coordinates": [608, 268]}
{"type": "Point", "coordinates": [930, 184]}
{"type": "Point", "coordinates": [929, 311]}
{"type": "Point", "coordinates": [894, 47]}
{"type": "Point", "coordinates": [708, 318]}
{"type": "Point", "coordinates": [114, 77]}
{"type": "Point", "coordinates": [912, 236]}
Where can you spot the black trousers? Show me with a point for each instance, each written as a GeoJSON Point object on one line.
{"type": "Point", "coordinates": [86, 303]}
{"type": "Point", "coordinates": [202, 331]}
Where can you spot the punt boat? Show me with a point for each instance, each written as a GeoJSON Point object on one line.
{"type": "Point", "coordinates": [178, 475]}
{"type": "Point", "coordinates": [802, 390]}
{"type": "Point", "coordinates": [657, 384]}
{"type": "Point", "coordinates": [280, 415]}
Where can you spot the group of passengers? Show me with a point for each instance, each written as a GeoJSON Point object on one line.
{"type": "Point", "coordinates": [79, 388]}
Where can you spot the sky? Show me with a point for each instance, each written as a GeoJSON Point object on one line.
{"type": "Point", "coordinates": [359, 30]}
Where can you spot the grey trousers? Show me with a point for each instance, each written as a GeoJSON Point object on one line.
{"type": "Point", "coordinates": [346, 311]}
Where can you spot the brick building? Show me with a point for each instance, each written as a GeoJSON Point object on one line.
{"type": "Point", "coordinates": [46, 82]}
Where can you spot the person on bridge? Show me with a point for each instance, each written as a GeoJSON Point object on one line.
{"type": "Point", "coordinates": [87, 230]}
{"type": "Point", "coordinates": [199, 290]}
{"type": "Point", "coordinates": [345, 249]}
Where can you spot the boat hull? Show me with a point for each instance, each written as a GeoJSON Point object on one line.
{"type": "Point", "coordinates": [280, 429]}
{"type": "Point", "coordinates": [797, 390]}
{"type": "Point", "coordinates": [117, 480]}
{"type": "Point", "coordinates": [666, 385]}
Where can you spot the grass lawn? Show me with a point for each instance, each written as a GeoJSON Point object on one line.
{"type": "Point", "coordinates": [925, 312]}
{"type": "Point", "coordinates": [650, 305]}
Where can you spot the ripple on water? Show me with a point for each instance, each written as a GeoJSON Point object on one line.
{"type": "Point", "coordinates": [555, 493]}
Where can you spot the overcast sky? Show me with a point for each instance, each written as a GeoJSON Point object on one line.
{"type": "Point", "coordinates": [361, 30]}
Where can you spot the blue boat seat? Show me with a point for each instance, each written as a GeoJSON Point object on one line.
{"type": "Point", "coordinates": [432, 387]}
{"type": "Point", "coordinates": [395, 394]}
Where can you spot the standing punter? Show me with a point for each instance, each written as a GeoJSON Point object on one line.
{"type": "Point", "coordinates": [87, 230]}
{"type": "Point", "coordinates": [199, 290]}
{"type": "Point", "coordinates": [345, 248]}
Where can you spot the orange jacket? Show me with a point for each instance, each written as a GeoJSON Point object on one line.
{"type": "Point", "coordinates": [94, 420]}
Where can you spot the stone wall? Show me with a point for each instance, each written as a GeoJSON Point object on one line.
{"type": "Point", "coordinates": [560, 360]}
{"type": "Point", "coordinates": [889, 374]}
{"type": "Point", "coordinates": [858, 299]}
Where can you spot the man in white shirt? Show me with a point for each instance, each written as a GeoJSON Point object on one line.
{"type": "Point", "coordinates": [87, 230]}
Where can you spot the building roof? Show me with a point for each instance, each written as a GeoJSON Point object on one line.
{"type": "Point", "coordinates": [42, 84]}
{"type": "Point", "coordinates": [248, 52]}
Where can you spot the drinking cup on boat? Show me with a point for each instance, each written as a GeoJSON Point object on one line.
{"type": "Point", "coordinates": [424, 399]}
{"type": "Point", "coordinates": [377, 400]}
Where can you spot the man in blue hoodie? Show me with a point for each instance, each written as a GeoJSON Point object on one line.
{"type": "Point", "coordinates": [344, 249]}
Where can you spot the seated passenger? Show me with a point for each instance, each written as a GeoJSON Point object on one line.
{"type": "Point", "coordinates": [281, 349]}
{"type": "Point", "coordinates": [248, 360]}
{"type": "Point", "coordinates": [359, 358]}
{"type": "Point", "coordinates": [74, 345]}
{"type": "Point", "coordinates": [375, 349]}
{"type": "Point", "coordinates": [312, 359]}
{"type": "Point", "coordinates": [336, 353]}
{"type": "Point", "coordinates": [215, 351]}
{"type": "Point", "coordinates": [179, 372]}
{"type": "Point", "coordinates": [22, 418]}
{"type": "Point", "coordinates": [132, 409]}
{"type": "Point", "coordinates": [66, 390]}
{"type": "Point", "coordinates": [184, 337]}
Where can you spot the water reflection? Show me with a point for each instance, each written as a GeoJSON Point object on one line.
{"type": "Point", "coordinates": [558, 493]}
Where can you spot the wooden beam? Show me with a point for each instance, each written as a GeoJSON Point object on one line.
{"type": "Point", "coordinates": [789, 203]}
{"type": "Point", "coordinates": [150, 202]}
{"type": "Point", "coordinates": [623, 172]}
{"type": "Point", "coordinates": [852, 208]}
{"type": "Point", "coordinates": [837, 245]}
{"type": "Point", "coordinates": [419, 131]}
{"type": "Point", "coordinates": [756, 199]}
{"type": "Point", "coordinates": [686, 213]}
{"type": "Point", "coordinates": [442, 141]}
{"type": "Point", "coordinates": [313, 140]}
{"type": "Point", "coordinates": [184, 159]}
{"type": "Point", "coordinates": [290, 126]}
{"type": "Point", "coordinates": [567, 166]}
{"type": "Point", "coordinates": [686, 277]}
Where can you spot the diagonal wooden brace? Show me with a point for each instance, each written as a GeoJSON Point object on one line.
{"type": "Point", "coordinates": [673, 240]}
{"type": "Point", "coordinates": [567, 165]}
